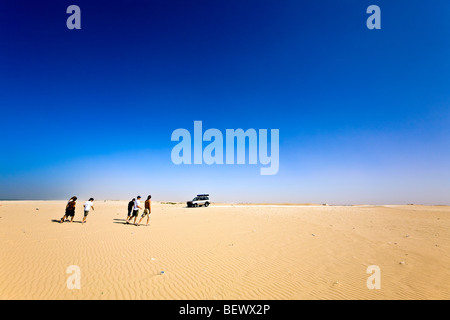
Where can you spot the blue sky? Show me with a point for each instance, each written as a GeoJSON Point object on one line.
{"type": "Point", "coordinates": [363, 114]}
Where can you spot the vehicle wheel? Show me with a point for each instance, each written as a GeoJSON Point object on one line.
{"type": "Point", "coordinates": [206, 204]}
{"type": "Point", "coordinates": [195, 205]}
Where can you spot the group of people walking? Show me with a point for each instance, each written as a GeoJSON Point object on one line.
{"type": "Point", "coordinates": [133, 209]}
{"type": "Point", "coordinates": [70, 209]}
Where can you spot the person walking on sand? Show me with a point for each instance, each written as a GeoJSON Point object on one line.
{"type": "Point", "coordinates": [136, 208]}
{"type": "Point", "coordinates": [147, 210]}
{"type": "Point", "coordinates": [130, 208]}
{"type": "Point", "coordinates": [87, 207]}
{"type": "Point", "coordinates": [70, 209]}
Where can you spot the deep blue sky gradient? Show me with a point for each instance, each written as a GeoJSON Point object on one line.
{"type": "Point", "coordinates": [363, 114]}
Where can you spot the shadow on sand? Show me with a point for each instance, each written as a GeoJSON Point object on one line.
{"type": "Point", "coordinates": [59, 220]}
{"type": "Point", "coordinates": [122, 221]}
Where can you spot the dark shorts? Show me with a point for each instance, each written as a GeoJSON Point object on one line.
{"type": "Point", "coordinates": [70, 213]}
{"type": "Point", "coordinates": [135, 213]}
{"type": "Point", "coordinates": [130, 211]}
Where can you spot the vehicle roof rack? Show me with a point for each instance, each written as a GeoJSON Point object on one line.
{"type": "Point", "coordinates": [203, 195]}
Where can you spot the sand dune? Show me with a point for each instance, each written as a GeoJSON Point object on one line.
{"type": "Point", "coordinates": [225, 252]}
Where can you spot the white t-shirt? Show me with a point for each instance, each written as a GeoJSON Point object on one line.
{"type": "Point", "coordinates": [136, 204]}
{"type": "Point", "coordinates": [88, 205]}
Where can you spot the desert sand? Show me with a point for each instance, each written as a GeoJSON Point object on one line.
{"type": "Point", "coordinates": [225, 252]}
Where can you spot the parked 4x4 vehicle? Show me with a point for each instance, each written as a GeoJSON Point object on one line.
{"type": "Point", "coordinates": [199, 200]}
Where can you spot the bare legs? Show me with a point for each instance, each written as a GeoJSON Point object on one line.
{"type": "Point", "coordinates": [131, 217]}
{"type": "Point", "coordinates": [148, 218]}
{"type": "Point", "coordinates": [66, 216]}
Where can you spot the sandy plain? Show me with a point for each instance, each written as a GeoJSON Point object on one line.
{"type": "Point", "coordinates": [225, 251]}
